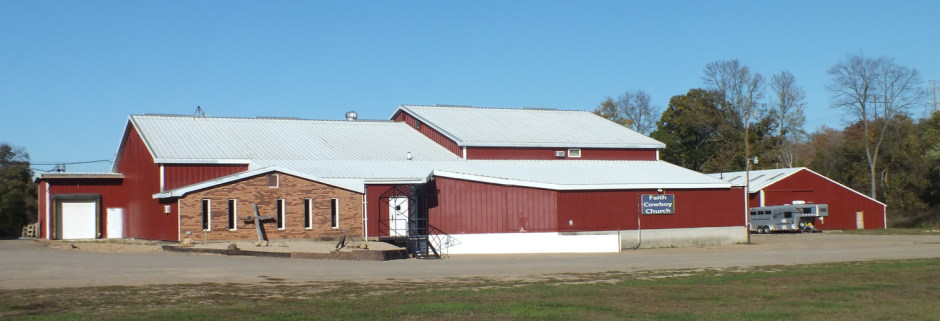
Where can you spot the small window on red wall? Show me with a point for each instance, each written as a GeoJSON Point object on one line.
{"type": "Point", "coordinates": [574, 152]}
{"type": "Point", "coordinates": [273, 181]}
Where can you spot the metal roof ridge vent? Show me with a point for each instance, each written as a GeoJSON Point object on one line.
{"type": "Point", "coordinates": [352, 115]}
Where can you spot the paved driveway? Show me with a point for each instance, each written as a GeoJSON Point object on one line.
{"type": "Point", "coordinates": [31, 264]}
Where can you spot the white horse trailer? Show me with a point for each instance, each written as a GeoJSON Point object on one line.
{"type": "Point", "coordinates": [786, 218]}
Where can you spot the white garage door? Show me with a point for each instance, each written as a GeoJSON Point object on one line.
{"type": "Point", "coordinates": [78, 220]}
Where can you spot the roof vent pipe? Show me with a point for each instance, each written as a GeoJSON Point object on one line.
{"type": "Point", "coordinates": [351, 115]}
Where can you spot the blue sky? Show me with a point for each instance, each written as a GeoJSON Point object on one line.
{"type": "Point", "coordinates": [72, 71]}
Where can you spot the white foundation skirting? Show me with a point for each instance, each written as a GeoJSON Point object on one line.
{"type": "Point", "coordinates": [585, 242]}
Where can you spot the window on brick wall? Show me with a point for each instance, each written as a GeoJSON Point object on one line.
{"type": "Point", "coordinates": [206, 215]}
{"type": "Point", "coordinates": [308, 213]}
{"type": "Point", "coordinates": [281, 211]}
{"type": "Point", "coordinates": [232, 214]}
{"type": "Point", "coordinates": [273, 181]}
{"type": "Point", "coordinates": [334, 213]}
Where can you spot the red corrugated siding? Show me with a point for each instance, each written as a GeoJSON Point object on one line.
{"type": "Point", "coordinates": [463, 207]}
{"type": "Point", "coordinates": [111, 191]}
{"type": "Point", "coordinates": [618, 210]}
{"type": "Point", "coordinates": [179, 175]}
{"type": "Point", "coordinates": [434, 135]}
{"type": "Point", "coordinates": [41, 208]}
{"type": "Point", "coordinates": [376, 210]}
{"type": "Point", "coordinates": [549, 153]}
{"type": "Point", "coordinates": [843, 202]}
{"type": "Point", "coordinates": [144, 215]}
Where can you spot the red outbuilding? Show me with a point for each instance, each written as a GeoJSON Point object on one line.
{"type": "Point", "coordinates": [848, 209]}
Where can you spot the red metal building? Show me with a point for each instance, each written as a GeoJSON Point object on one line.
{"type": "Point", "coordinates": [848, 209]}
{"type": "Point", "coordinates": [542, 134]}
{"type": "Point", "coordinates": [513, 180]}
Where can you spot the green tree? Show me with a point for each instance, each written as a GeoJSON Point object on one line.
{"type": "Point", "coordinates": [17, 191]}
{"type": "Point", "coordinates": [828, 155]}
{"type": "Point", "coordinates": [904, 168]}
{"type": "Point", "coordinates": [692, 128]}
{"type": "Point", "coordinates": [930, 136]}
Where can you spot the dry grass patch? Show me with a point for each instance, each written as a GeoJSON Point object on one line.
{"type": "Point", "coordinates": [888, 290]}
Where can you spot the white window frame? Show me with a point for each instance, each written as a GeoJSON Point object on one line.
{"type": "Point", "coordinates": [281, 207]}
{"type": "Point", "coordinates": [574, 152]}
{"type": "Point", "coordinates": [308, 205]}
{"type": "Point", "coordinates": [334, 213]}
{"type": "Point", "coordinates": [277, 180]}
{"type": "Point", "coordinates": [206, 214]}
{"type": "Point", "coordinates": [233, 214]}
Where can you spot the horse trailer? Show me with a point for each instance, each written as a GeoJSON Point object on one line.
{"type": "Point", "coordinates": [787, 218]}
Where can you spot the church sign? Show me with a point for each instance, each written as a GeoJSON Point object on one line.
{"type": "Point", "coordinates": [657, 204]}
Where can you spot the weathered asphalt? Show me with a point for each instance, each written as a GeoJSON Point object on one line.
{"type": "Point", "coordinates": [31, 264]}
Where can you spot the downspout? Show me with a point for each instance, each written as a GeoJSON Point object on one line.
{"type": "Point", "coordinates": [639, 231]}
{"type": "Point", "coordinates": [639, 228]}
{"type": "Point", "coordinates": [162, 178]}
{"type": "Point", "coordinates": [47, 219]}
{"type": "Point", "coordinates": [465, 152]}
{"type": "Point", "coordinates": [884, 215]}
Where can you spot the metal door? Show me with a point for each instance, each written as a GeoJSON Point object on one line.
{"type": "Point", "coordinates": [78, 220]}
{"type": "Point", "coordinates": [398, 216]}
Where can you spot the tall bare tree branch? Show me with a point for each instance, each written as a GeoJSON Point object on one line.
{"type": "Point", "coordinates": [872, 89]}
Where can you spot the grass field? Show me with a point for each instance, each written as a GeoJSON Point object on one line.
{"type": "Point", "coordinates": [884, 290]}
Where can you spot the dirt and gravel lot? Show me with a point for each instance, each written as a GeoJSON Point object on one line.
{"type": "Point", "coordinates": [44, 264]}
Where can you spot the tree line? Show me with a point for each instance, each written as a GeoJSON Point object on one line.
{"type": "Point", "coordinates": [738, 115]}
{"type": "Point", "coordinates": [17, 191]}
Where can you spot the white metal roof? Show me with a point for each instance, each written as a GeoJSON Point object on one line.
{"type": "Point", "coordinates": [474, 126]}
{"type": "Point", "coordinates": [549, 174]}
{"type": "Point", "coordinates": [346, 153]}
{"type": "Point", "coordinates": [582, 174]}
{"type": "Point", "coordinates": [760, 179]}
{"type": "Point", "coordinates": [57, 175]}
{"type": "Point", "coordinates": [347, 184]}
{"type": "Point", "coordinates": [240, 140]}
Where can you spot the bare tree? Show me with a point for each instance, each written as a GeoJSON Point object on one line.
{"type": "Point", "coordinates": [637, 112]}
{"type": "Point", "coordinates": [789, 102]}
{"type": "Point", "coordinates": [741, 92]}
{"type": "Point", "coordinates": [872, 89]}
{"type": "Point", "coordinates": [632, 109]}
{"type": "Point", "coordinates": [788, 105]}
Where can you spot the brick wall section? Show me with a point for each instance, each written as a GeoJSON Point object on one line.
{"type": "Point", "coordinates": [255, 190]}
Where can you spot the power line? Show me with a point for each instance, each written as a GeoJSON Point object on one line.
{"type": "Point", "coordinates": [53, 164]}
